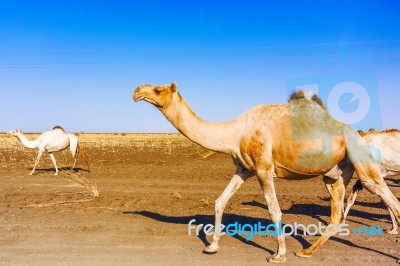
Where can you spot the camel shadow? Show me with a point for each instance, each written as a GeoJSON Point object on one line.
{"type": "Point", "coordinates": [75, 169]}
{"type": "Point", "coordinates": [313, 210]}
{"type": "Point", "coordinates": [207, 219]}
{"type": "Point", "coordinates": [60, 169]}
{"type": "Point", "coordinates": [232, 218]}
{"type": "Point", "coordinates": [317, 211]}
{"type": "Point", "coordinates": [394, 182]}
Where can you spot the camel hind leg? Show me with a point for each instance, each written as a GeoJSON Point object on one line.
{"type": "Point", "coordinates": [336, 189]}
{"type": "Point", "coordinates": [369, 174]}
{"type": "Point", "coordinates": [374, 183]}
{"type": "Point", "coordinates": [53, 159]}
{"type": "Point", "coordinates": [393, 231]}
{"type": "Point", "coordinates": [76, 150]}
{"type": "Point", "coordinates": [352, 198]}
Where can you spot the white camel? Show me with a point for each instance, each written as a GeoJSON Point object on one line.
{"type": "Point", "coordinates": [296, 139]}
{"type": "Point", "coordinates": [386, 145]}
{"type": "Point", "coordinates": [52, 141]}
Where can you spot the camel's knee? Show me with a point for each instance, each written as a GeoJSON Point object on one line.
{"type": "Point", "coordinates": [276, 215]}
{"type": "Point", "coordinates": [274, 209]}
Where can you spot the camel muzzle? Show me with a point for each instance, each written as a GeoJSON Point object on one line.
{"type": "Point", "coordinates": [138, 96]}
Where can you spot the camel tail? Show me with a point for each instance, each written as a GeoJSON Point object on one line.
{"type": "Point", "coordinates": [81, 153]}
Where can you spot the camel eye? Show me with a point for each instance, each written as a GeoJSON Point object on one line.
{"type": "Point", "coordinates": [157, 91]}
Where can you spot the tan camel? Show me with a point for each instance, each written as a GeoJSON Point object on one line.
{"type": "Point", "coordinates": [387, 146]}
{"type": "Point", "coordinates": [52, 141]}
{"type": "Point", "coordinates": [296, 139]}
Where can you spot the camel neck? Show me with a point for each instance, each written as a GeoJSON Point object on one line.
{"type": "Point", "coordinates": [217, 137]}
{"type": "Point", "coordinates": [27, 143]}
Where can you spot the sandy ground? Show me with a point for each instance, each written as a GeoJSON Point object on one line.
{"type": "Point", "coordinates": [150, 187]}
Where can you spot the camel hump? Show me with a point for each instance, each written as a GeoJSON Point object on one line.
{"type": "Point", "coordinates": [375, 132]}
{"type": "Point", "coordinates": [58, 127]}
{"type": "Point", "coordinates": [299, 94]}
{"type": "Point", "coordinates": [392, 130]}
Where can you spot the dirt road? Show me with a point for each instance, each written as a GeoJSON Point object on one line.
{"type": "Point", "coordinates": [149, 188]}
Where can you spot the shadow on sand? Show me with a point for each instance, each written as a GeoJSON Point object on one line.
{"type": "Point", "coordinates": [60, 169]}
{"type": "Point", "coordinates": [207, 219]}
{"type": "Point", "coordinates": [313, 210]}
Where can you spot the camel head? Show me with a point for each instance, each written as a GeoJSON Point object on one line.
{"type": "Point", "coordinates": [159, 96]}
{"type": "Point", "coordinates": [15, 133]}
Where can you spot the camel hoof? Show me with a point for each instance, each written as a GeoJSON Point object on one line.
{"type": "Point", "coordinates": [392, 232]}
{"type": "Point", "coordinates": [304, 253]}
{"type": "Point", "coordinates": [30, 174]}
{"type": "Point", "coordinates": [56, 174]}
{"type": "Point", "coordinates": [277, 259]}
{"type": "Point", "coordinates": [211, 249]}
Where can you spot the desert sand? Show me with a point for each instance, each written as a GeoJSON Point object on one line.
{"type": "Point", "coordinates": [135, 206]}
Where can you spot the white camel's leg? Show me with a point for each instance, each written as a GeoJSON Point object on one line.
{"type": "Point", "coordinates": [53, 159]}
{"type": "Point", "coordinates": [237, 180]}
{"type": "Point", "coordinates": [36, 161]}
{"type": "Point", "coordinates": [265, 178]}
{"type": "Point", "coordinates": [337, 190]}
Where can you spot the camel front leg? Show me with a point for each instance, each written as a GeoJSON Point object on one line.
{"type": "Point", "coordinates": [337, 190]}
{"type": "Point", "coordinates": [265, 178]}
{"type": "Point", "coordinates": [36, 162]}
{"type": "Point", "coordinates": [237, 180]}
{"type": "Point", "coordinates": [54, 162]}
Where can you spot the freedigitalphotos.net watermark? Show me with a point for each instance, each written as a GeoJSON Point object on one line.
{"type": "Point", "coordinates": [248, 231]}
{"type": "Point", "coordinates": [350, 97]}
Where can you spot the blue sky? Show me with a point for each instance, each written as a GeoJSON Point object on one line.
{"type": "Point", "coordinates": [76, 63]}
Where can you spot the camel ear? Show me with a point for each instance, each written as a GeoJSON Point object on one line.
{"type": "Point", "coordinates": [173, 87]}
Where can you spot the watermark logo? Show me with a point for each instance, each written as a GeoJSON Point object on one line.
{"type": "Point", "coordinates": [249, 231]}
{"type": "Point", "coordinates": [350, 97]}
{"type": "Point", "coordinates": [353, 110]}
